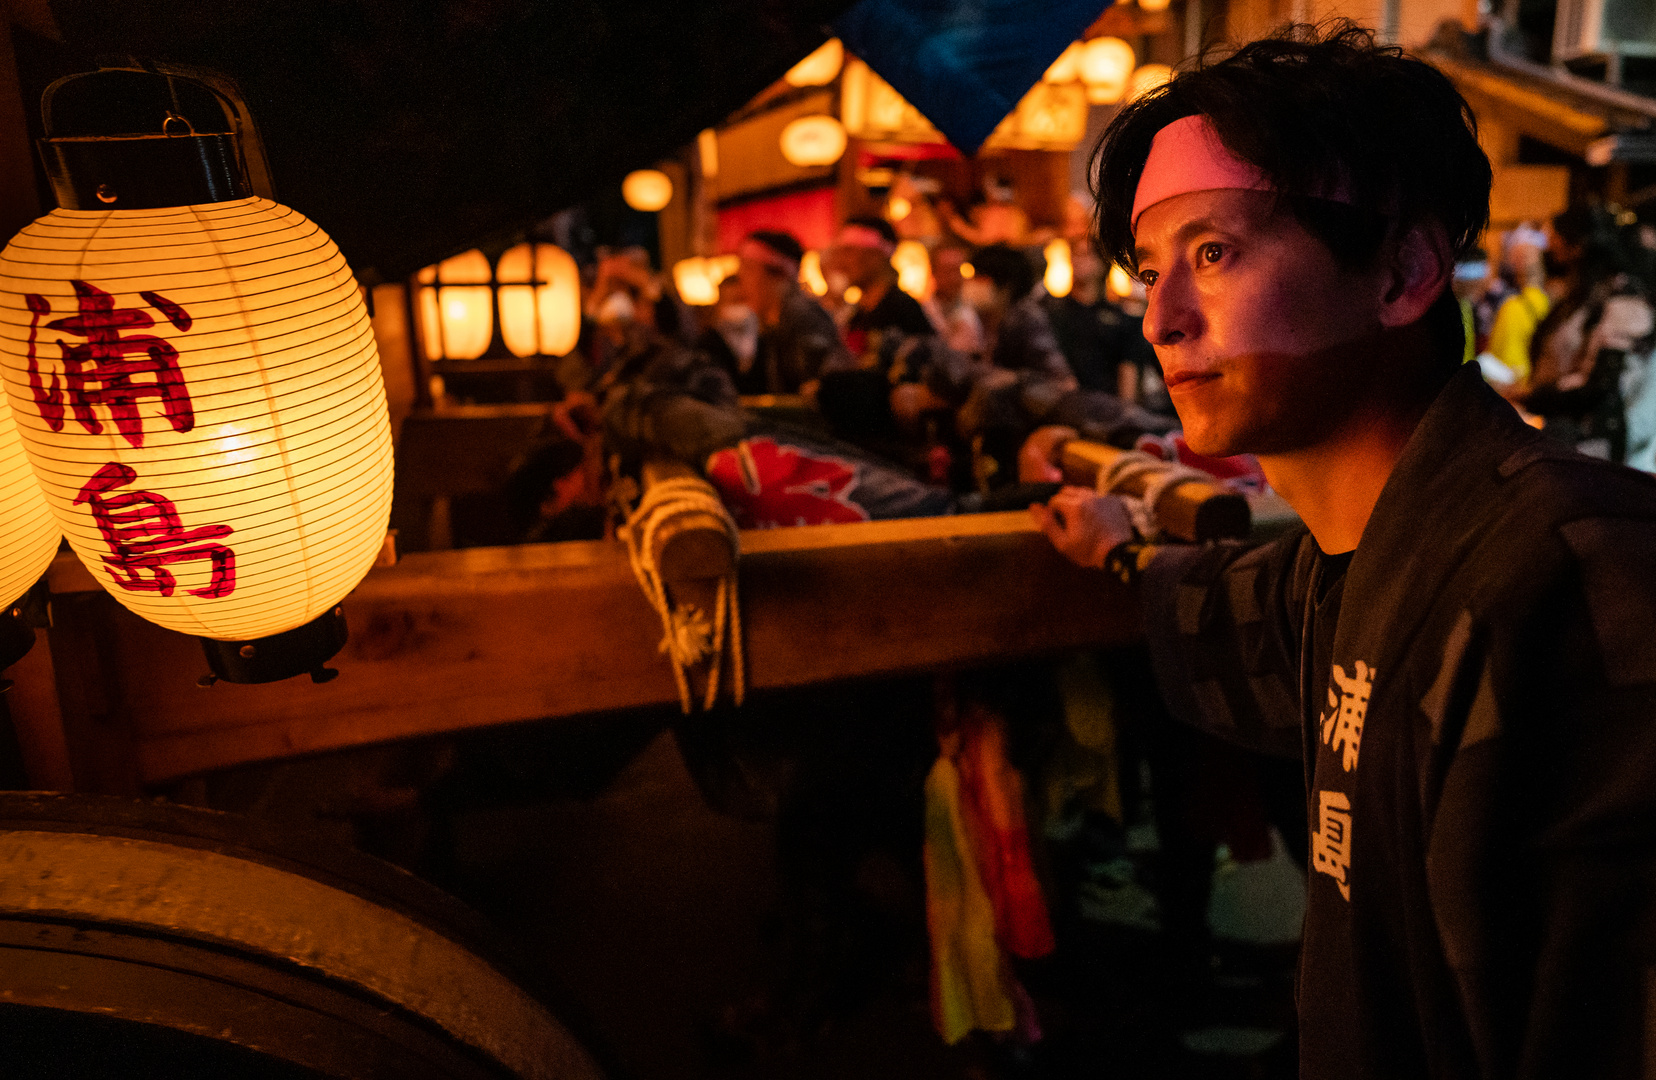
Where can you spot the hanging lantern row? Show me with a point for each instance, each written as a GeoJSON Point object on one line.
{"type": "Point", "coordinates": [647, 190]}
{"type": "Point", "coordinates": [536, 289]}
{"type": "Point", "coordinates": [197, 389]}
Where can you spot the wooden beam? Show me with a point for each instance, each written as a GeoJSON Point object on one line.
{"type": "Point", "coordinates": [447, 641]}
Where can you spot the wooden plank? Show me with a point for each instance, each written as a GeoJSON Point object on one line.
{"type": "Point", "coordinates": [446, 641]}
{"type": "Point", "coordinates": [1196, 511]}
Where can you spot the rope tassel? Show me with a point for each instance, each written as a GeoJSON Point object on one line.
{"type": "Point", "coordinates": [690, 636]}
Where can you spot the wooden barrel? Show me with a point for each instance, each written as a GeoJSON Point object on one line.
{"type": "Point", "coordinates": [144, 938]}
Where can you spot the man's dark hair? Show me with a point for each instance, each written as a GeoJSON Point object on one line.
{"type": "Point", "coordinates": [784, 244]}
{"type": "Point", "coordinates": [1009, 269]}
{"type": "Point", "coordinates": [879, 225]}
{"type": "Point", "coordinates": [1318, 109]}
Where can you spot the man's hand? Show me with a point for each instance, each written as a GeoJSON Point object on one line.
{"type": "Point", "coordinates": [1083, 525]}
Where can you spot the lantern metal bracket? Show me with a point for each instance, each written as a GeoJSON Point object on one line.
{"type": "Point", "coordinates": [303, 649]}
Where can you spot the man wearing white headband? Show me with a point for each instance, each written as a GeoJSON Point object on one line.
{"type": "Point", "coordinates": [1460, 644]}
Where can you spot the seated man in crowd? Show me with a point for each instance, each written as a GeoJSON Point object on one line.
{"type": "Point", "coordinates": [798, 342]}
{"type": "Point", "coordinates": [860, 258]}
{"type": "Point", "coordinates": [1459, 643]}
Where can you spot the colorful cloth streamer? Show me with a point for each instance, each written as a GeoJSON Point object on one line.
{"type": "Point", "coordinates": [983, 901]}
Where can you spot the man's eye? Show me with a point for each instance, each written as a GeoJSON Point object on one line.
{"type": "Point", "coordinates": [1212, 253]}
{"type": "Point", "coordinates": [1147, 278]}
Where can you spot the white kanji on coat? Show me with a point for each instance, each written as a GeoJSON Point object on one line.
{"type": "Point", "coordinates": [1342, 728]}
{"type": "Point", "coordinates": [1331, 843]}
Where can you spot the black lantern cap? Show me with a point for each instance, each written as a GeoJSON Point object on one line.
{"type": "Point", "coordinates": [280, 656]}
{"type": "Point", "coordinates": [125, 170]}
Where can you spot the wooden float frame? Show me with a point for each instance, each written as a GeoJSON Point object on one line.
{"type": "Point", "coordinates": [448, 641]}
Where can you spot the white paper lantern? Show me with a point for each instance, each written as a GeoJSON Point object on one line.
{"type": "Point", "coordinates": [200, 397]}
{"type": "Point", "coordinates": [813, 140]}
{"type": "Point", "coordinates": [540, 300]}
{"type": "Point", "coordinates": [647, 190]}
{"type": "Point", "coordinates": [912, 262]}
{"type": "Point", "coordinates": [1106, 65]}
{"type": "Point", "coordinates": [1147, 78]}
{"type": "Point", "coordinates": [694, 279]}
{"type": "Point", "coordinates": [30, 535]}
{"type": "Point", "coordinates": [457, 307]}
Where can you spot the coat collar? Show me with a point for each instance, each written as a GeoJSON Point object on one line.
{"type": "Point", "coordinates": [1429, 517]}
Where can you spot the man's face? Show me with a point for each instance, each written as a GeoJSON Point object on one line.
{"type": "Point", "coordinates": [759, 287]}
{"type": "Point", "coordinates": [860, 266]}
{"type": "Point", "coordinates": [1258, 329]}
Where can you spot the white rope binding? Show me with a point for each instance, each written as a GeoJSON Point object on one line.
{"type": "Point", "coordinates": [1163, 476]}
{"type": "Point", "coordinates": [689, 637]}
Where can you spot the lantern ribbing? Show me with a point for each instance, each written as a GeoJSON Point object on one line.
{"type": "Point", "coordinates": [199, 395]}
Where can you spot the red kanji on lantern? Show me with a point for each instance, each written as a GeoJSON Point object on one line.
{"type": "Point", "coordinates": [101, 370]}
{"type": "Point", "coordinates": [145, 535]}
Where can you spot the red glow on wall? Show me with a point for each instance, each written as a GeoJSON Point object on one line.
{"type": "Point", "coordinates": [809, 215]}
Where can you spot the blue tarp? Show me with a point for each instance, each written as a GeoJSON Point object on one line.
{"type": "Point", "coordinates": [964, 63]}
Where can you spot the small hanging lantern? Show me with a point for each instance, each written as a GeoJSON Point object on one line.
{"type": "Point", "coordinates": [1119, 285]}
{"type": "Point", "coordinates": [813, 140]}
{"type": "Point", "coordinates": [647, 190]}
{"type": "Point", "coordinates": [819, 68]}
{"type": "Point", "coordinates": [1060, 271]}
{"type": "Point", "coordinates": [195, 381]}
{"type": "Point", "coordinates": [540, 300]}
{"type": "Point", "coordinates": [1154, 5]}
{"type": "Point", "coordinates": [913, 265]}
{"type": "Point", "coordinates": [1147, 78]}
{"type": "Point", "coordinates": [28, 541]}
{"type": "Point", "coordinates": [457, 307]}
{"type": "Point", "coordinates": [1106, 65]}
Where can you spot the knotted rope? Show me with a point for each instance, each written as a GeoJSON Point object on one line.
{"type": "Point", "coordinates": [689, 636]}
{"type": "Point", "coordinates": [1163, 476]}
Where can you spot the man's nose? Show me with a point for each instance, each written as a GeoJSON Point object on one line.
{"type": "Point", "coordinates": [1170, 315]}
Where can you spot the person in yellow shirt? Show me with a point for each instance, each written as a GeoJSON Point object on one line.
{"type": "Point", "coordinates": [1522, 312]}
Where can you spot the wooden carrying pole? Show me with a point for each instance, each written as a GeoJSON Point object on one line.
{"type": "Point", "coordinates": [1196, 511]}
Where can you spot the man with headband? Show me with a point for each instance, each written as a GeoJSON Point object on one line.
{"type": "Point", "coordinates": [861, 258]}
{"type": "Point", "coordinates": [1460, 644]}
{"type": "Point", "coordinates": [798, 341]}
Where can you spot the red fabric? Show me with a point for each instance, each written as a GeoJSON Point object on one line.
{"type": "Point", "coordinates": [768, 486]}
{"type": "Point", "coordinates": [992, 798]}
{"type": "Point", "coordinates": [808, 215]}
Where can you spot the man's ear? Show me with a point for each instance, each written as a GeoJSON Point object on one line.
{"type": "Point", "coordinates": [1418, 267]}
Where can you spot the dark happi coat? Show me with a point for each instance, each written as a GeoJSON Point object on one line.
{"type": "Point", "coordinates": [1480, 748]}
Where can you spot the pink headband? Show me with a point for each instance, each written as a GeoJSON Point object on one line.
{"type": "Point", "coordinates": [1187, 156]}
{"type": "Point", "coordinates": [761, 252]}
{"type": "Point", "coordinates": [864, 237]}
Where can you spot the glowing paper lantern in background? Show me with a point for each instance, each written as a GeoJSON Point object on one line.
{"type": "Point", "coordinates": [1060, 271]}
{"type": "Point", "coordinates": [195, 380]}
{"type": "Point", "coordinates": [1147, 78]}
{"type": "Point", "coordinates": [1154, 5]}
{"type": "Point", "coordinates": [1106, 65]}
{"type": "Point", "coordinates": [1120, 283]}
{"type": "Point", "coordinates": [1067, 68]}
{"type": "Point", "coordinates": [28, 539]}
{"type": "Point", "coordinates": [694, 279]}
{"type": "Point", "coordinates": [457, 307]}
{"type": "Point", "coordinates": [647, 190]}
{"type": "Point", "coordinates": [898, 208]}
{"type": "Point", "coordinates": [813, 140]}
{"type": "Point", "coordinates": [912, 262]}
{"type": "Point", "coordinates": [540, 300]}
{"type": "Point", "coordinates": [810, 273]}
{"type": "Point", "coordinates": [819, 68]}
